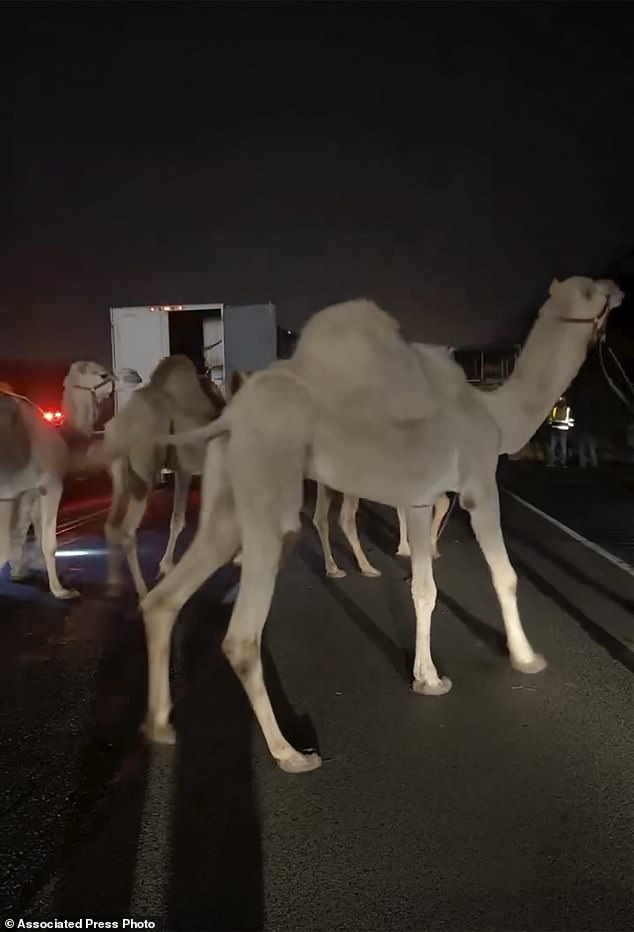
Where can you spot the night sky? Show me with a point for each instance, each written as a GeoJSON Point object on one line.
{"type": "Point", "coordinates": [446, 160]}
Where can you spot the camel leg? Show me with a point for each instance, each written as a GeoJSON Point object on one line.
{"type": "Point", "coordinates": [269, 521]}
{"type": "Point", "coordinates": [21, 519]}
{"type": "Point", "coordinates": [348, 524]}
{"type": "Point", "coordinates": [440, 510]}
{"type": "Point", "coordinates": [403, 543]}
{"type": "Point", "coordinates": [26, 512]}
{"type": "Point", "coordinates": [182, 480]}
{"type": "Point", "coordinates": [262, 551]}
{"type": "Point", "coordinates": [6, 518]}
{"type": "Point", "coordinates": [49, 506]}
{"type": "Point", "coordinates": [36, 520]}
{"type": "Point", "coordinates": [216, 539]}
{"type": "Point", "coordinates": [320, 520]}
{"type": "Point", "coordinates": [485, 520]}
{"type": "Point", "coordinates": [116, 517]}
{"type": "Point", "coordinates": [426, 679]}
{"type": "Point", "coordinates": [128, 540]}
{"type": "Point", "coordinates": [126, 512]}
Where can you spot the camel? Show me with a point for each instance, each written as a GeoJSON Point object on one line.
{"type": "Point", "coordinates": [399, 427]}
{"type": "Point", "coordinates": [174, 398]}
{"type": "Point", "coordinates": [34, 459]}
{"type": "Point", "coordinates": [350, 505]}
{"type": "Point", "coordinates": [348, 520]}
{"type": "Point", "coordinates": [348, 524]}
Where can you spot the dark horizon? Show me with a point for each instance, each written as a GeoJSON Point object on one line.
{"type": "Point", "coordinates": [446, 160]}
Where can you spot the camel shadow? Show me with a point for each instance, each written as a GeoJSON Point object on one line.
{"type": "Point", "coordinates": [378, 528]}
{"type": "Point", "coordinates": [215, 862]}
{"type": "Point", "coordinates": [615, 648]}
{"type": "Point", "coordinates": [557, 560]}
{"type": "Point", "coordinates": [491, 637]}
{"type": "Point", "coordinates": [175, 829]}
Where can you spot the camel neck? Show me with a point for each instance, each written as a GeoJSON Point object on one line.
{"type": "Point", "coordinates": [551, 358]}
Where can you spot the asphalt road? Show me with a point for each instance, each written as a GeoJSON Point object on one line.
{"type": "Point", "coordinates": [505, 805]}
{"type": "Point", "coordinates": [596, 503]}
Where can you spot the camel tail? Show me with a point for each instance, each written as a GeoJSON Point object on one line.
{"type": "Point", "coordinates": [209, 431]}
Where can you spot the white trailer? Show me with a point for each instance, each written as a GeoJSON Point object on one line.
{"type": "Point", "coordinates": [219, 338]}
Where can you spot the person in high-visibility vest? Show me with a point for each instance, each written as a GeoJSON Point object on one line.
{"type": "Point", "coordinates": [560, 422]}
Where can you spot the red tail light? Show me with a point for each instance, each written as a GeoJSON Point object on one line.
{"type": "Point", "coordinates": [54, 417]}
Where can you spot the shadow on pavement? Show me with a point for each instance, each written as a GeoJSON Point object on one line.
{"type": "Point", "coordinates": [530, 541]}
{"type": "Point", "coordinates": [99, 852]}
{"type": "Point", "coordinates": [216, 862]}
{"type": "Point", "coordinates": [397, 656]}
{"type": "Point", "coordinates": [488, 635]}
{"type": "Point", "coordinates": [170, 833]}
{"type": "Point", "coordinates": [603, 638]}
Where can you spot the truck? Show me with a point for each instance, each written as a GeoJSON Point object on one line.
{"type": "Point", "coordinates": [487, 368]}
{"type": "Point", "coordinates": [218, 338]}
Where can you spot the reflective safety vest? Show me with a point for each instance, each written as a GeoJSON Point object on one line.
{"type": "Point", "coordinates": [561, 417]}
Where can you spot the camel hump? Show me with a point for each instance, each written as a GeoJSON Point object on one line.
{"type": "Point", "coordinates": [354, 359]}
{"type": "Point", "coordinates": [176, 377]}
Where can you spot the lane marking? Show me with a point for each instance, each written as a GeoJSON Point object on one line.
{"type": "Point", "coordinates": [81, 521]}
{"type": "Point", "coordinates": [72, 524]}
{"type": "Point", "coordinates": [622, 565]}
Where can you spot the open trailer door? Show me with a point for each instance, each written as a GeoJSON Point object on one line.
{"type": "Point", "coordinates": [140, 339]}
{"type": "Point", "coordinates": [249, 337]}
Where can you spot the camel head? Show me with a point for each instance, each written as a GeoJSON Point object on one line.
{"type": "Point", "coordinates": [86, 386]}
{"type": "Point", "coordinates": [584, 302]}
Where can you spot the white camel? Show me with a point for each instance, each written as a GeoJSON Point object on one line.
{"type": "Point", "coordinates": [34, 459]}
{"type": "Point", "coordinates": [350, 506]}
{"type": "Point", "coordinates": [395, 428]}
{"type": "Point", "coordinates": [348, 524]}
{"type": "Point", "coordinates": [348, 519]}
{"type": "Point", "coordinates": [173, 399]}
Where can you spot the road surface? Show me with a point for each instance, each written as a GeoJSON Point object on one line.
{"type": "Point", "coordinates": [596, 503]}
{"type": "Point", "coordinates": [505, 805]}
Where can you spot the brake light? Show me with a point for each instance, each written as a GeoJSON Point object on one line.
{"type": "Point", "coordinates": [53, 417]}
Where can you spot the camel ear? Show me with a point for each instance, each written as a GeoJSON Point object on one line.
{"type": "Point", "coordinates": [554, 285]}
{"type": "Point", "coordinates": [70, 374]}
{"type": "Point", "coordinates": [236, 382]}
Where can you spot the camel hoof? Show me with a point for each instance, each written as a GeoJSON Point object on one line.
{"type": "Point", "coordinates": [441, 688]}
{"type": "Point", "coordinates": [536, 665]}
{"type": "Point", "coordinates": [159, 733]}
{"type": "Point", "coordinates": [67, 594]}
{"type": "Point", "coordinates": [336, 573]}
{"type": "Point", "coordinates": [371, 572]}
{"type": "Point", "coordinates": [19, 575]}
{"type": "Point", "coordinates": [299, 763]}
